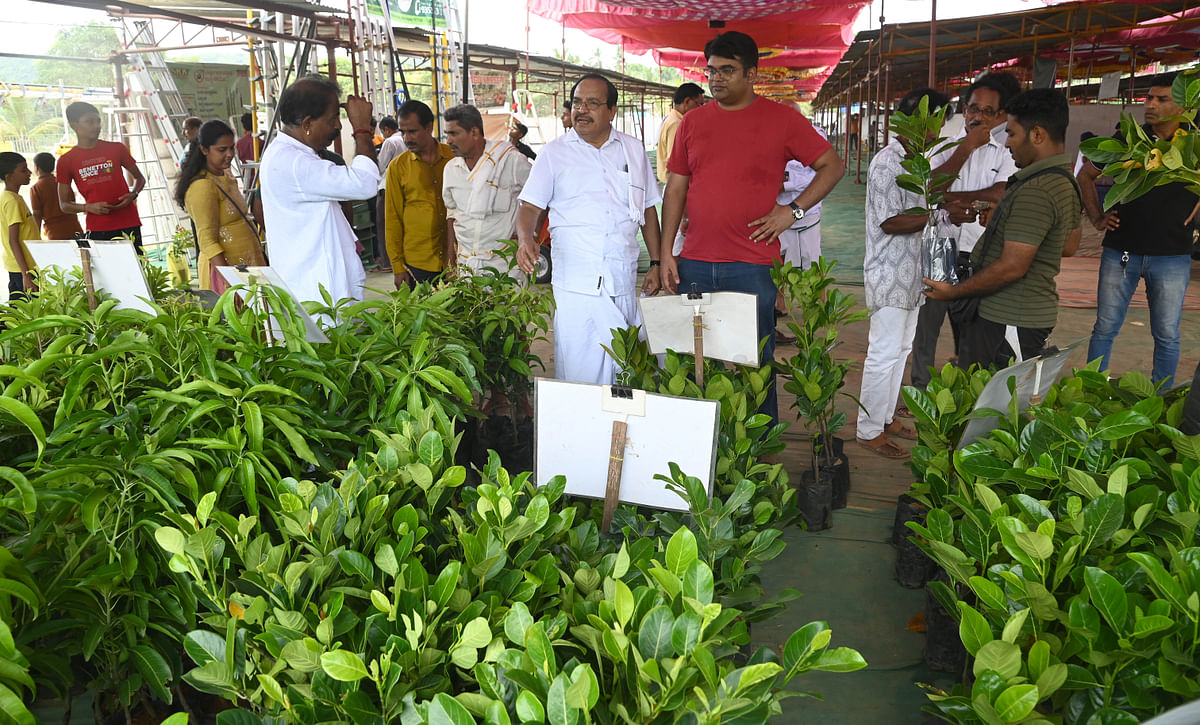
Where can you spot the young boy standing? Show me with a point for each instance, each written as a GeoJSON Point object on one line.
{"type": "Point", "coordinates": [17, 224]}
{"type": "Point", "coordinates": [43, 197]}
{"type": "Point", "coordinates": [95, 167]}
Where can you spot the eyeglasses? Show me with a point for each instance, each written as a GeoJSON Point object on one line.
{"type": "Point", "coordinates": [985, 112]}
{"type": "Point", "coordinates": [725, 71]}
{"type": "Point", "coordinates": [591, 103]}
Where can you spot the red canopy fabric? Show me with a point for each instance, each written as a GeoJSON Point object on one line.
{"type": "Point", "coordinates": [801, 39]}
{"type": "Point", "coordinates": [681, 9]}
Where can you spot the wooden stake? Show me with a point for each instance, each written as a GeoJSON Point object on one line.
{"type": "Point", "coordinates": [698, 346]}
{"type": "Point", "coordinates": [85, 258]}
{"type": "Point", "coordinates": [616, 463]}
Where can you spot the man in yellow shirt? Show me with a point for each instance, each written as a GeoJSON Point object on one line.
{"type": "Point", "coordinates": [415, 225]}
{"type": "Point", "coordinates": [687, 97]}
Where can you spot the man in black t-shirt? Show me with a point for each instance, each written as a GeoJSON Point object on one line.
{"type": "Point", "coordinates": [1147, 238]}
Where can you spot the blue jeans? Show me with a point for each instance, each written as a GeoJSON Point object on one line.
{"type": "Point", "coordinates": [1166, 283]}
{"type": "Point", "coordinates": [754, 279]}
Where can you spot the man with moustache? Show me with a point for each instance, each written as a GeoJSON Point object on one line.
{"type": "Point", "coordinates": [600, 189]}
{"type": "Point", "coordinates": [983, 164]}
{"type": "Point", "coordinates": [312, 243]}
{"type": "Point", "coordinates": [1034, 225]}
{"type": "Point", "coordinates": [415, 222]}
{"type": "Point", "coordinates": [1149, 239]}
{"type": "Point", "coordinates": [480, 189]}
{"type": "Point", "coordinates": [727, 166]}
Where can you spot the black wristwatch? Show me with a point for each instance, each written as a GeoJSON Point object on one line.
{"type": "Point", "coordinates": [655, 262]}
{"type": "Point", "coordinates": [797, 212]}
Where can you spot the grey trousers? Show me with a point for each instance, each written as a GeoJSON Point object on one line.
{"type": "Point", "coordinates": [924, 349]}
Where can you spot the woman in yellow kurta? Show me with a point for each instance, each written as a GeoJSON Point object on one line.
{"type": "Point", "coordinates": [217, 208]}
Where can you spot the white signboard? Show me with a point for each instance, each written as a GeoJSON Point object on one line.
{"type": "Point", "coordinates": [247, 276]}
{"type": "Point", "coordinates": [1034, 377]}
{"type": "Point", "coordinates": [730, 322]}
{"type": "Point", "coordinates": [116, 268]}
{"type": "Point", "coordinates": [574, 436]}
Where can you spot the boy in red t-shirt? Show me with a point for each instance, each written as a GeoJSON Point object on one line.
{"type": "Point", "coordinates": [95, 167]}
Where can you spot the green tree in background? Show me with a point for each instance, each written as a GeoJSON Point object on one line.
{"type": "Point", "coordinates": [80, 41]}
{"type": "Point", "coordinates": [30, 125]}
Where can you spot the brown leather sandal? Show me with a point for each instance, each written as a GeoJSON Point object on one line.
{"type": "Point", "coordinates": [883, 446]}
{"type": "Point", "coordinates": [899, 430]}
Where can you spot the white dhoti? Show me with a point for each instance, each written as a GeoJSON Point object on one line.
{"type": "Point", "coordinates": [582, 324]}
{"type": "Point", "coordinates": [801, 247]}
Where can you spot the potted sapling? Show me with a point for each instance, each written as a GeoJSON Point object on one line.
{"type": "Point", "coordinates": [815, 378]}
{"type": "Point", "coordinates": [919, 132]}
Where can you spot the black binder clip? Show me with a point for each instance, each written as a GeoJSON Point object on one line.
{"type": "Point", "coordinates": [695, 294]}
{"type": "Point", "coordinates": [622, 391]}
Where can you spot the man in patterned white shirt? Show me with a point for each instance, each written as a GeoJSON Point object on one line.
{"type": "Point", "coordinates": [892, 281]}
{"type": "Point", "coordinates": [983, 164]}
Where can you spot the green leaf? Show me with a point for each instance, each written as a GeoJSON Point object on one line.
{"type": "Point", "coordinates": [622, 602]}
{"type": "Point", "coordinates": [1122, 424]}
{"type": "Point", "coordinates": [973, 629]}
{"type": "Point", "coordinates": [204, 646]}
{"type": "Point", "coordinates": [1102, 517]}
{"type": "Point", "coordinates": [26, 417]}
{"type": "Point", "coordinates": [179, 718]}
{"type": "Point", "coordinates": [237, 717]}
{"type": "Point", "coordinates": [842, 659]}
{"type": "Point", "coordinates": [681, 551]}
{"type": "Point", "coordinates": [155, 671]}
{"type": "Point", "coordinates": [1003, 658]}
{"type": "Point", "coordinates": [1108, 596]}
{"type": "Point", "coordinates": [476, 633]}
{"type": "Point", "coordinates": [989, 593]}
{"type": "Point", "coordinates": [518, 621]}
{"type": "Point", "coordinates": [343, 666]}
{"type": "Point", "coordinates": [23, 487]}
{"type": "Point", "coordinates": [529, 708]}
{"type": "Point", "coordinates": [430, 448]}
{"type": "Point", "coordinates": [1052, 679]}
{"type": "Point", "coordinates": [355, 563]}
{"type": "Point", "coordinates": [1015, 703]}
{"type": "Point", "coordinates": [171, 540]}
{"type": "Point", "coordinates": [445, 710]}
{"type": "Point", "coordinates": [654, 636]}
{"type": "Point", "coordinates": [557, 709]}
{"type": "Point", "coordinates": [1150, 624]}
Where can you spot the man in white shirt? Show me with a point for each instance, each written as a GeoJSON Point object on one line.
{"type": "Point", "coordinates": [983, 164]}
{"type": "Point", "coordinates": [480, 187]}
{"type": "Point", "coordinates": [892, 286]}
{"type": "Point", "coordinates": [312, 244]}
{"type": "Point", "coordinates": [600, 189]}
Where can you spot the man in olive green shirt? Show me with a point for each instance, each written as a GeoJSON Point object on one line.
{"type": "Point", "coordinates": [1033, 227]}
{"type": "Point", "coordinates": [415, 215]}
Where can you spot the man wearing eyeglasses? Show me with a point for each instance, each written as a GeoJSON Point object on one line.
{"type": "Point", "coordinates": [599, 186]}
{"type": "Point", "coordinates": [726, 167]}
{"type": "Point", "coordinates": [983, 164]}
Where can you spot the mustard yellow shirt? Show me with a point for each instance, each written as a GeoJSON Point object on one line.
{"type": "Point", "coordinates": [415, 223]}
{"type": "Point", "coordinates": [14, 211]}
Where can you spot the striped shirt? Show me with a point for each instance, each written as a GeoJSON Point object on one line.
{"type": "Point", "coordinates": [1042, 212]}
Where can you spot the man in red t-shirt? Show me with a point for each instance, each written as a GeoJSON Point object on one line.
{"type": "Point", "coordinates": [727, 166]}
{"type": "Point", "coordinates": [95, 167]}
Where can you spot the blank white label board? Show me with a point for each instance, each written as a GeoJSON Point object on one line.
{"type": "Point", "coordinates": [730, 325]}
{"type": "Point", "coordinates": [116, 268]}
{"type": "Point", "coordinates": [574, 435]}
{"type": "Point", "coordinates": [1034, 377]}
{"type": "Point", "coordinates": [267, 276]}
